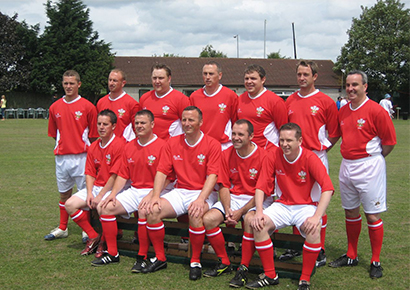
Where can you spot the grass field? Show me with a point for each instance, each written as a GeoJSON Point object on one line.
{"type": "Point", "coordinates": [29, 210]}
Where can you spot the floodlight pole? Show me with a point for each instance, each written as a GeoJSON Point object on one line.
{"type": "Point", "coordinates": [294, 39]}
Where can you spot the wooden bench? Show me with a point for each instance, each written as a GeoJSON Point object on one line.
{"type": "Point", "coordinates": [180, 252]}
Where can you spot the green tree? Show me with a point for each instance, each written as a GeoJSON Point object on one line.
{"type": "Point", "coordinates": [18, 43]}
{"type": "Point", "coordinates": [277, 55]}
{"type": "Point", "coordinates": [209, 51]}
{"type": "Point", "coordinates": [379, 44]}
{"type": "Point", "coordinates": [69, 42]}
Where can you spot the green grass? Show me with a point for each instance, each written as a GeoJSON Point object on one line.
{"type": "Point", "coordinates": [28, 210]}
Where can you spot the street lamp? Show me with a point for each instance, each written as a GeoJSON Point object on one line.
{"type": "Point", "coordinates": [237, 45]}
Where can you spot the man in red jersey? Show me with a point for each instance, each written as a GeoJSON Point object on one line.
{"type": "Point", "coordinates": [165, 103]}
{"type": "Point", "coordinates": [139, 164]}
{"type": "Point", "coordinates": [263, 108]}
{"type": "Point", "coordinates": [368, 136]}
{"type": "Point", "coordinates": [195, 158]}
{"type": "Point", "coordinates": [294, 170]}
{"type": "Point", "coordinates": [101, 169]}
{"type": "Point", "coordinates": [217, 103]}
{"type": "Point", "coordinates": [316, 114]}
{"type": "Point", "coordinates": [121, 103]}
{"type": "Point", "coordinates": [72, 123]}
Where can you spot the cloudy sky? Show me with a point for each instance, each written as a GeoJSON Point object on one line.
{"type": "Point", "coordinates": [184, 28]}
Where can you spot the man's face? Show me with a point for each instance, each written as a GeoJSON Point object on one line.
{"type": "Point", "coordinates": [305, 77]}
{"type": "Point", "coordinates": [355, 89]}
{"type": "Point", "coordinates": [71, 86]}
{"type": "Point", "coordinates": [160, 81]}
{"type": "Point", "coordinates": [143, 125]}
{"type": "Point", "coordinates": [254, 83]}
{"type": "Point", "coordinates": [190, 122]}
{"type": "Point", "coordinates": [115, 82]}
{"type": "Point", "coordinates": [289, 143]}
{"type": "Point", "coordinates": [240, 136]}
{"type": "Point", "coordinates": [104, 126]}
{"type": "Point", "coordinates": [211, 75]}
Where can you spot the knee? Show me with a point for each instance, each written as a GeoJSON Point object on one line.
{"type": "Point", "coordinates": [70, 207]}
{"type": "Point", "coordinates": [212, 219]}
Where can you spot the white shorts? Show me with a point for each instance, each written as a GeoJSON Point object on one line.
{"type": "Point", "coordinates": [283, 215]}
{"type": "Point", "coordinates": [181, 198]}
{"type": "Point", "coordinates": [70, 170]}
{"type": "Point", "coordinates": [239, 201]}
{"type": "Point", "coordinates": [82, 194]}
{"type": "Point", "coordinates": [131, 198]}
{"type": "Point", "coordinates": [363, 181]}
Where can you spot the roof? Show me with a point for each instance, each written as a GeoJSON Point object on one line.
{"type": "Point", "coordinates": [186, 71]}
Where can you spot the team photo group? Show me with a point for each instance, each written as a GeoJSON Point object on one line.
{"type": "Point", "coordinates": [220, 158]}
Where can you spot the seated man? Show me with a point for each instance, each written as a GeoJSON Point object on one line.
{"type": "Point", "coordinates": [296, 169]}
{"type": "Point", "coordinates": [139, 164]}
{"type": "Point", "coordinates": [195, 158]}
{"type": "Point", "coordinates": [102, 166]}
{"type": "Point", "coordinates": [239, 172]}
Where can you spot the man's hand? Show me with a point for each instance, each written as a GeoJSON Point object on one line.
{"type": "Point", "coordinates": [96, 201]}
{"type": "Point", "coordinates": [196, 208]}
{"type": "Point", "coordinates": [232, 217]}
{"type": "Point", "coordinates": [310, 225]}
{"type": "Point", "coordinates": [258, 222]}
{"type": "Point", "coordinates": [151, 203]}
{"type": "Point", "coordinates": [111, 198]}
{"type": "Point", "coordinates": [144, 202]}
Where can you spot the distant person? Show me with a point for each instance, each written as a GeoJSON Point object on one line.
{"type": "Point", "coordinates": [3, 105]}
{"type": "Point", "coordinates": [387, 105]}
{"type": "Point", "coordinates": [338, 103]}
{"type": "Point", "coordinates": [343, 102]}
{"type": "Point", "coordinates": [73, 124]}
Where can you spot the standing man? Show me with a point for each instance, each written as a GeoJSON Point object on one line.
{"type": "Point", "coordinates": [295, 170]}
{"type": "Point", "coordinates": [387, 105]}
{"type": "Point", "coordinates": [195, 158]}
{"type": "Point", "coordinates": [121, 103]}
{"type": "Point", "coordinates": [101, 169]}
{"type": "Point", "coordinates": [217, 103]}
{"type": "Point", "coordinates": [165, 103]}
{"type": "Point", "coordinates": [316, 114]}
{"type": "Point", "coordinates": [368, 136]}
{"type": "Point", "coordinates": [263, 108]}
{"type": "Point", "coordinates": [72, 123]}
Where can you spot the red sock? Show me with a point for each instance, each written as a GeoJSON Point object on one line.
{"type": "Point", "coordinates": [143, 237]}
{"type": "Point", "coordinates": [323, 231]}
{"type": "Point", "coordinates": [156, 234]}
{"type": "Point", "coordinates": [197, 237]}
{"type": "Point", "coordinates": [265, 250]}
{"type": "Point", "coordinates": [353, 228]}
{"type": "Point", "coordinates": [63, 216]}
{"type": "Point", "coordinates": [376, 232]}
{"type": "Point", "coordinates": [80, 217]}
{"type": "Point", "coordinates": [109, 226]}
{"type": "Point", "coordinates": [248, 248]}
{"type": "Point", "coordinates": [217, 240]}
{"type": "Point", "coordinates": [310, 253]}
{"type": "Point", "coordinates": [295, 230]}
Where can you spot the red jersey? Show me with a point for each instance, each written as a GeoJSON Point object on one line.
{"type": "Point", "coordinates": [191, 163]}
{"type": "Point", "coordinates": [364, 130]}
{"type": "Point", "coordinates": [294, 180]}
{"type": "Point", "coordinates": [167, 111]}
{"type": "Point", "coordinates": [104, 161]}
{"type": "Point", "coordinates": [125, 108]}
{"type": "Point", "coordinates": [315, 114]}
{"type": "Point", "coordinates": [240, 174]}
{"type": "Point", "coordinates": [72, 124]}
{"type": "Point", "coordinates": [267, 113]}
{"type": "Point", "coordinates": [219, 112]}
{"type": "Point", "coordinates": [139, 162]}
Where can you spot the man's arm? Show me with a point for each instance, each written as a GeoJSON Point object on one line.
{"type": "Point", "coordinates": [312, 222]}
{"type": "Point", "coordinates": [386, 149]}
{"type": "Point", "coordinates": [159, 183]}
{"type": "Point", "coordinates": [117, 185]}
{"type": "Point", "coordinates": [196, 208]}
{"type": "Point", "coordinates": [332, 140]}
{"type": "Point", "coordinates": [258, 222]}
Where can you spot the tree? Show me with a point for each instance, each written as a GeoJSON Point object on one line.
{"type": "Point", "coordinates": [18, 43]}
{"type": "Point", "coordinates": [209, 51]}
{"type": "Point", "coordinates": [276, 55]}
{"type": "Point", "coordinates": [379, 44]}
{"type": "Point", "coordinates": [69, 42]}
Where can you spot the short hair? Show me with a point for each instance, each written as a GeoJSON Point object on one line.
{"type": "Point", "coordinates": [119, 71]}
{"type": "Point", "coordinates": [308, 63]}
{"type": "Point", "coordinates": [256, 68]}
{"type": "Point", "coordinates": [162, 66]}
{"type": "Point", "coordinates": [212, 62]}
{"type": "Point", "coordinates": [109, 113]}
{"type": "Point", "coordinates": [359, 72]}
{"type": "Point", "coordinates": [292, 127]}
{"type": "Point", "coordinates": [147, 113]}
{"type": "Point", "coordinates": [72, 73]}
{"type": "Point", "coordinates": [244, 121]}
{"type": "Point", "coordinates": [194, 108]}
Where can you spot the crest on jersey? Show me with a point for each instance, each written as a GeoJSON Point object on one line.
{"type": "Point", "coordinates": [252, 173]}
{"type": "Point", "coordinates": [259, 111]}
{"type": "Point", "coordinates": [302, 176]}
{"type": "Point", "coordinates": [78, 115]}
{"type": "Point", "coordinates": [222, 108]}
{"type": "Point", "coordinates": [151, 160]}
{"type": "Point", "coordinates": [165, 110]}
{"type": "Point", "coordinates": [121, 113]}
{"type": "Point", "coordinates": [108, 159]}
{"type": "Point", "coordinates": [360, 123]}
{"type": "Point", "coordinates": [201, 159]}
{"type": "Point", "coordinates": [314, 110]}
